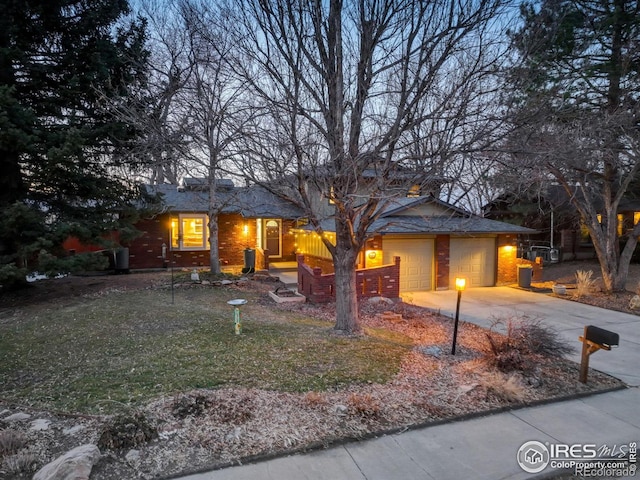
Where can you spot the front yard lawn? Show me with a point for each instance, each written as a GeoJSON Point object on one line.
{"type": "Point", "coordinates": [165, 389]}
{"type": "Point", "coordinates": [109, 352]}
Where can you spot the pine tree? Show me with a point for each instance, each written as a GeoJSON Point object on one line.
{"type": "Point", "coordinates": [62, 62]}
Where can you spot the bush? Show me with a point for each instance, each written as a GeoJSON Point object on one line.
{"type": "Point", "coordinates": [584, 283]}
{"type": "Point", "coordinates": [505, 388]}
{"type": "Point", "coordinates": [11, 441]}
{"type": "Point", "coordinates": [524, 339]}
{"type": "Point", "coordinates": [23, 462]}
{"type": "Point", "coordinates": [190, 405]}
{"type": "Point", "coordinates": [127, 431]}
{"type": "Point", "coordinates": [363, 405]}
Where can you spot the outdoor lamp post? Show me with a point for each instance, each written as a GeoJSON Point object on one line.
{"type": "Point", "coordinates": [460, 284]}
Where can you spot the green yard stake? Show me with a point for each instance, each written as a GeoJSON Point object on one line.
{"type": "Point", "coordinates": [236, 303]}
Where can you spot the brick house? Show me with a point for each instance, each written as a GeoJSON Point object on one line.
{"type": "Point", "coordinates": [250, 217]}
{"type": "Point", "coordinates": [434, 241]}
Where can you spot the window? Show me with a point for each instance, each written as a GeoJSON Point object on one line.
{"type": "Point", "coordinates": [189, 232]}
{"type": "Point", "coordinates": [332, 198]}
{"type": "Point", "coordinates": [414, 191]}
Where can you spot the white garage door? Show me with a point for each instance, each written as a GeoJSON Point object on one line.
{"type": "Point", "coordinates": [473, 259]}
{"type": "Point", "coordinates": [416, 261]}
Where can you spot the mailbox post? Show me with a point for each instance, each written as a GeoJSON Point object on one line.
{"type": "Point", "coordinates": [594, 339]}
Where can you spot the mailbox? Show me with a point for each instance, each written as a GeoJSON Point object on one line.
{"type": "Point", "coordinates": [594, 339]}
{"type": "Point", "coordinates": [602, 337]}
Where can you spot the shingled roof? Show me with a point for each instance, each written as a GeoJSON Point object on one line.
{"type": "Point", "coordinates": [250, 202]}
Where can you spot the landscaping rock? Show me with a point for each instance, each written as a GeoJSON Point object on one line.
{"type": "Point", "coordinates": [234, 435]}
{"type": "Point", "coordinates": [226, 282]}
{"type": "Point", "coordinates": [40, 424]}
{"type": "Point", "coordinates": [467, 388]}
{"type": "Point", "coordinates": [74, 429]}
{"type": "Point", "coordinates": [392, 317]}
{"type": "Point", "coordinates": [205, 282]}
{"type": "Point", "coordinates": [432, 351]}
{"type": "Point", "coordinates": [379, 300]}
{"type": "Point", "coordinates": [132, 456]}
{"type": "Point", "coordinates": [73, 465]}
{"type": "Point", "coordinates": [341, 410]}
{"type": "Point", "coordinates": [634, 303]}
{"type": "Point", "coordinates": [17, 417]}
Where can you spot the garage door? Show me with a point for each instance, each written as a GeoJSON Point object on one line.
{"type": "Point", "coordinates": [416, 261]}
{"type": "Point", "coordinates": [473, 259]}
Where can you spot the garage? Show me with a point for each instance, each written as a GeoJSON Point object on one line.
{"type": "Point", "coordinates": [473, 259]}
{"type": "Point", "coordinates": [416, 261]}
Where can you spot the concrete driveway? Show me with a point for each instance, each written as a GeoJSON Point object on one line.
{"type": "Point", "coordinates": [482, 305]}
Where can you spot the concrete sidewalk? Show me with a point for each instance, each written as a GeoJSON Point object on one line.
{"type": "Point", "coordinates": [486, 448]}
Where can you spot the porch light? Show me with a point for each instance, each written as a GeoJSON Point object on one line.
{"type": "Point", "coordinates": [371, 254]}
{"type": "Point", "coordinates": [245, 229]}
{"type": "Point", "coordinates": [460, 284]}
{"type": "Point", "coordinates": [508, 248]}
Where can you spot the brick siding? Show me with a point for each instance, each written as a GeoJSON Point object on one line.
{"type": "Point", "coordinates": [370, 282]}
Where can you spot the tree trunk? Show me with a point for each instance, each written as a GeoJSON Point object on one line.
{"type": "Point", "coordinates": [614, 266]}
{"type": "Point", "coordinates": [345, 281]}
{"type": "Point", "coordinates": [346, 295]}
{"type": "Point", "coordinates": [214, 254]}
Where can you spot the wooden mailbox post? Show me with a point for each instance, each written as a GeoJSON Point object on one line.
{"type": "Point", "coordinates": [594, 339]}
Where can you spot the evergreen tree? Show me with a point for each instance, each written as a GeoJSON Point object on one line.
{"type": "Point", "coordinates": [63, 63]}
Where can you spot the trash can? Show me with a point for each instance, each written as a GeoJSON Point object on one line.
{"type": "Point", "coordinates": [249, 260]}
{"type": "Point", "coordinates": [525, 274]}
{"type": "Point", "coordinates": [121, 260]}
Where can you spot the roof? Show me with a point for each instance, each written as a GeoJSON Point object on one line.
{"type": "Point", "coordinates": [257, 202]}
{"type": "Point", "coordinates": [446, 224]}
{"type": "Point", "coordinates": [250, 202]}
{"type": "Point", "coordinates": [471, 225]}
{"type": "Point", "coordinates": [400, 204]}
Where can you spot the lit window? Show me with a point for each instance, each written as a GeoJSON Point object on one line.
{"type": "Point", "coordinates": [636, 218]}
{"type": "Point", "coordinates": [188, 232]}
{"type": "Point", "coordinates": [332, 198]}
{"type": "Point", "coordinates": [620, 224]}
{"type": "Point", "coordinates": [414, 191]}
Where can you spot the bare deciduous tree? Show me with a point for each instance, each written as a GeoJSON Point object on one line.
{"type": "Point", "coordinates": [345, 90]}
{"type": "Point", "coordinates": [577, 113]}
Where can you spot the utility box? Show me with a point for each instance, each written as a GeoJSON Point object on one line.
{"type": "Point", "coordinates": [525, 274]}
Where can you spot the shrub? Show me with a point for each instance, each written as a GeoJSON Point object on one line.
{"type": "Point", "coordinates": [11, 441]}
{"type": "Point", "coordinates": [127, 431]}
{"type": "Point", "coordinates": [314, 399]}
{"type": "Point", "coordinates": [363, 405]}
{"type": "Point", "coordinates": [190, 405]}
{"type": "Point", "coordinates": [524, 339]}
{"type": "Point", "coordinates": [234, 412]}
{"type": "Point", "coordinates": [505, 388]}
{"type": "Point", "coordinates": [584, 283]}
{"type": "Point", "coordinates": [21, 462]}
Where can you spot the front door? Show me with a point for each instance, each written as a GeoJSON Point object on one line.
{"type": "Point", "coordinates": [272, 237]}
